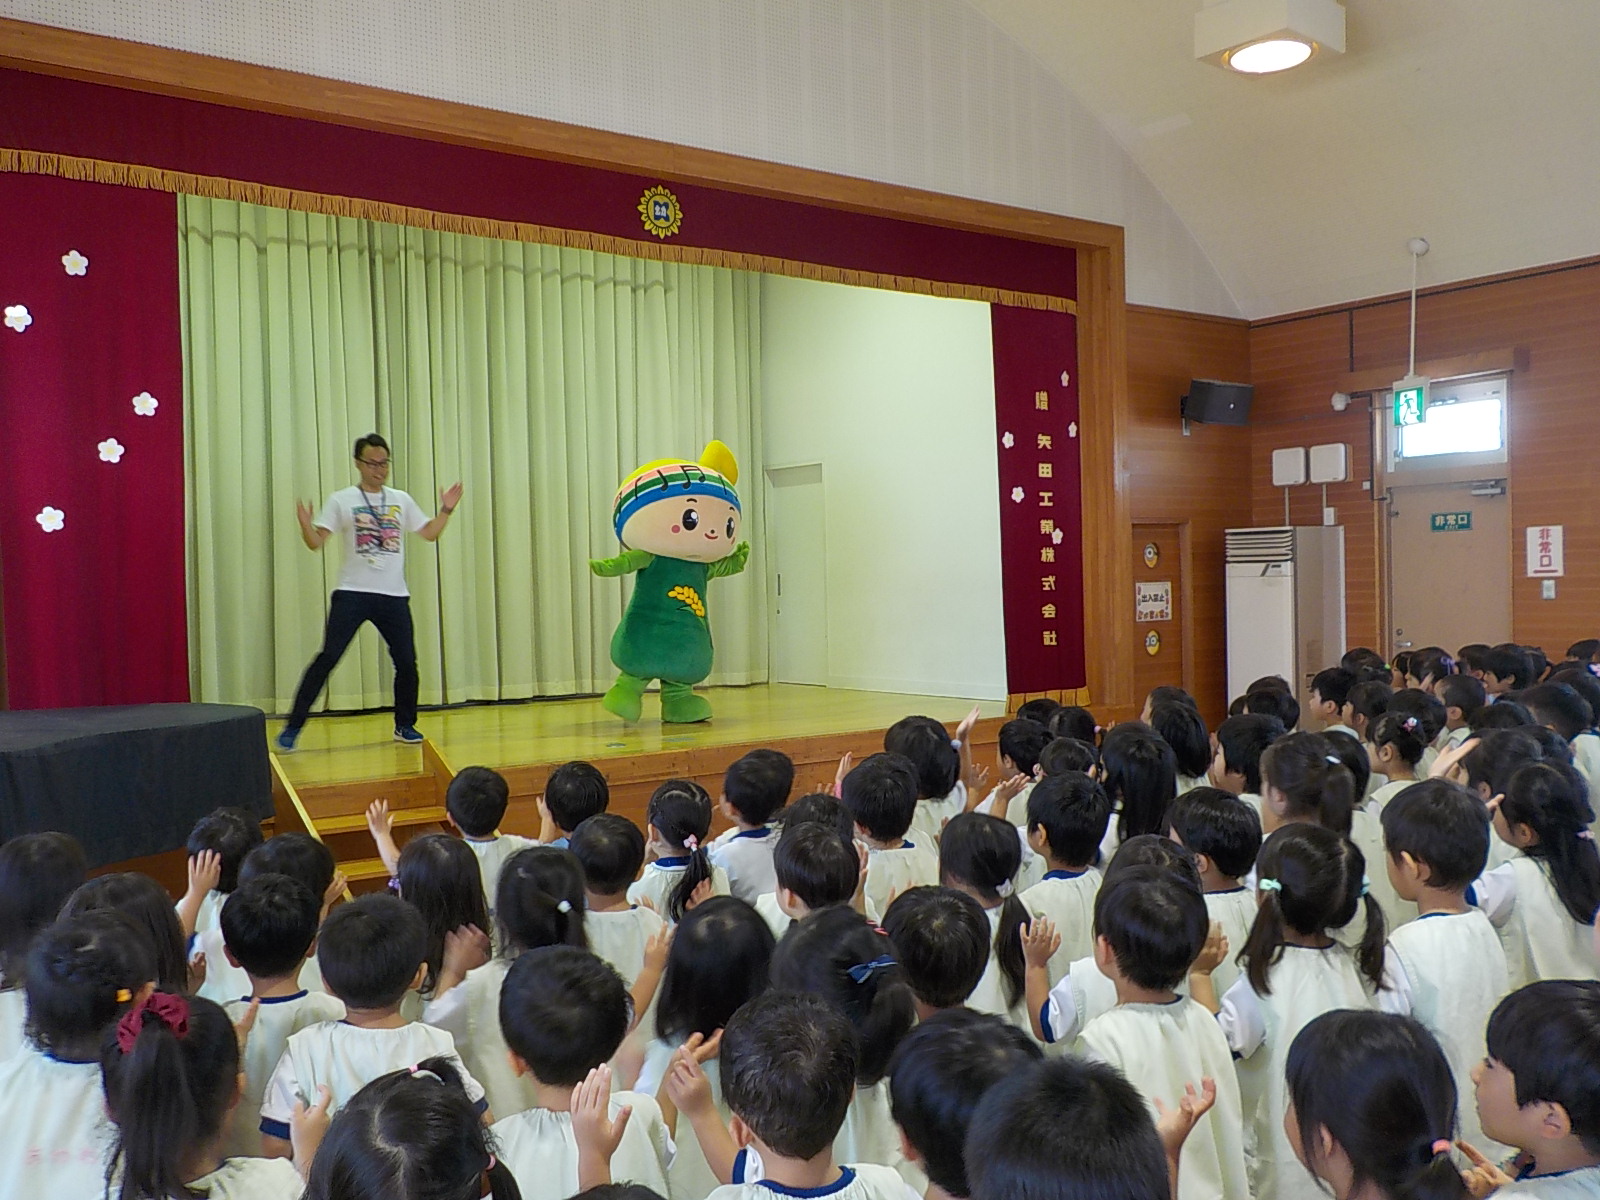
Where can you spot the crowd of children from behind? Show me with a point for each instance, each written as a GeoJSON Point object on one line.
{"type": "Point", "coordinates": [1348, 948]}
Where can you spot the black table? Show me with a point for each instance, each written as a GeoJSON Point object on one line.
{"type": "Point", "coordinates": [130, 781]}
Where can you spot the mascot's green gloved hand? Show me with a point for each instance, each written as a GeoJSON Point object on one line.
{"type": "Point", "coordinates": [678, 522]}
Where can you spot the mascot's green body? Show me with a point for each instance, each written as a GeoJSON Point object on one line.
{"type": "Point", "coordinates": [678, 522]}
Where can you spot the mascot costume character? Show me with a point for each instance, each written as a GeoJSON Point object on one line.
{"type": "Point", "coordinates": [678, 523]}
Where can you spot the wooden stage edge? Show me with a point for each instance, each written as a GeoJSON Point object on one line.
{"type": "Point", "coordinates": [343, 763]}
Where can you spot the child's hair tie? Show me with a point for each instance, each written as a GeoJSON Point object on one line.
{"type": "Point", "coordinates": [1586, 834]}
{"type": "Point", "coordinates": [1003, 889]}
{"type": "Point", "coordinates": [1366, 885]}
{"type": "Point", "coordinates": [863, 971]}
{"type": "Point", "coordinates": [691, 843]}
{"type": "Point", "coordinates": [564, 907]}
{"type": "Point", "coordinates": [1269, 885]}
{"type": "Point", "coordinates": [418, 1071]}
{"type": "Point", "coordinates": [1334, 759]}
{"type": "Point", "coordinates": [1409, 724]}
{"type": "Point", "coordinates": [172, 1011]}
{"type": "Point", "coordinates": [123, 995]}
{"type": "Point", "coordinates": [1442, 1146]}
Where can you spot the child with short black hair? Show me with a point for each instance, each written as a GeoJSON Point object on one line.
{"type": "Point", "coordinates": [269, 927]}
{"type": "Point", "coordinates": [1372, 1107]}
{"type": "Point", "coordinates": [38, 871]}
{"type": "Point", "coordinates": [541, 903]}
{"type": "Point", "coordinates": [171, 1073]}
{"type": "Point", "coordinates": [564, 1013]}
{"type": "Point", "coordinates": [610, 849]}
{"type": "Point", "coordinates": [943, 941]}
{"type": "Point", "coordinates": [1019, 745]}
{"type": "Point", "coordinates": [1067, 819]}
{"type": "Point", "coordinates": [1330, 690]}
{"type": "Point", "coordinates": [880, 793]}
{"type": "Point", "coordinates": [574, 792]}
{"type": "Point", "coordinates": [1539, 1089]}
{"type": "Point", "coordinates": [980, 855]}
{"type": "Point", "coordinates": [1428, 667]}
{"type": "Point", "coordinates": [1061, 755]}
{"type": "Point", "coordinates": [1073, 721]}
{"type": "Point", "coordinates": [941, 1071]}
{"type": "Point", "coordinates": [1039, 711]}
{"type": "Point", "coordinates": [1276, 702]}
{"type": "Point", "coordinates": [1311, 883]}
{"type": "Point", "coordinates": [754, 790]}
{"type": "Point", "coordinates": [1461, 695]}
{"type": "Point", "coordinates": [678, 826]}
{"type": "Point", "coordinates": [412, 1134]}
{"type": "Point", "coordinates": [821, 808]}
{"type": "Point", "coordinates": [840, 956]}
{"type": "Point", "coordinates": [1446, 968]}
{"type": "Point", "coordinates": [1150, 927]}
{"type": "Point", "coordinates": [372, 952]}
{"type": "Point", "coordinates": [1364, 705]}
{"type": "Point", "coordinates": [1180, 726]}
{"type": "Point", "coordinates": [1506, 668]}
{"type": "Point", "coordinates": [789, 1068]}
{"type": "Point", "coordinates": [816, 869]}
{"type": "Point", "coordinates": [476, 803]}
{"type": "Point", "coordinates": [1065, 1129]}
{"type": "Point", "coordinates": [1241, 741]}
{"type": "Point", "coordinates": [82, 974]}
{"type": "Point", "coordinates": [937, 757]}
{"type": "Point", "coordinates": [229, 833]}
{"type": "Point", "coordinates": [1544, 900]}
{"type": "Point", "coordinates": [1224, 835]}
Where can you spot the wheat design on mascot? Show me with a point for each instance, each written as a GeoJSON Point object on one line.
{"type": "Point", "coordinates": [678, 522]}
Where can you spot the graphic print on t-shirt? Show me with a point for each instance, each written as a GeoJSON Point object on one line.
{"type": "Point", "coordinates": [377, 529]}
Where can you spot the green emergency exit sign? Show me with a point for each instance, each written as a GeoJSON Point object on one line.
{"type": "Point", "coordinates": [1451, 522]}
{"type": "Point", "coordinates": [1410, 400]}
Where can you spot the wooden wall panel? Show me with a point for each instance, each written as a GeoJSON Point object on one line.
{"type": "Point", "coordinates": [1548, 317]}
{"type": "Point", "coordinates": [1202, 479]}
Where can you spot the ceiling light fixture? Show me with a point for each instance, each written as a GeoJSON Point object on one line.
{"type": "Point", "coordinates": [1259, 37]}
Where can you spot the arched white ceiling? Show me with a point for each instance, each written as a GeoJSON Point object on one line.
{"type": "Point", "coordinates": [1473, 123]}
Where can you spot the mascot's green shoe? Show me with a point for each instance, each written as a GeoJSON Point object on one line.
{"type": "Point", "coordinates": [680, 705]}
{"type": "Point", "coordinates": [626, 697]}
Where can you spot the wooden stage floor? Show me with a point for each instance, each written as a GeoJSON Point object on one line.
{"type": "Point", "coordinates": [346, 749]}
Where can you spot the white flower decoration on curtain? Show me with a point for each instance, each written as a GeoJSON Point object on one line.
{"type": "Point", "coordinates": [1065, 379]}
{"type": "Point", "coordinates": [1072, 430]}
{"type": "Point", "coordinates": [51, 519]}
{"type": "Point", "coordinates": [1057, 536]}
{"type": "Point", "coordinates": [1007, 440]}
{"type": "Point", "coordinates": [75, 263]}
{"type": "Point", "coordinates": [1018, 495]}
{"type": "Point", "coordinates": [111, 450]}
{"type": "Point", "coordinates": [145, 404]}
{"type": "Point", "coordinates": [18, 317]}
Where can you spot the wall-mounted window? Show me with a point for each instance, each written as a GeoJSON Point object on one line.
{"type": "Point", "coordinates": [1465, 425]}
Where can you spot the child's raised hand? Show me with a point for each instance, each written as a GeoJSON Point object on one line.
{"type": "Point", "coordinates": [205, 872]}
{"type": "Point", "coordinates": [1483, 1178]}
{"type": "Point", "coordinates": [465, 949]}
{"type": "Point", "coordinates": [1445, 766]}
{"type": "Point", "coordinates": [1008, 791]}
{"type": "Point", "coordinates": [197, 972]}
{"type": "Point", "coordinates": [646, 902]}
{"type": "Point", "coordinates": [243, 1026]}
{"type": "Point", "coordinates": [593, 1127]}
{"type": "Point", "coordinates": [1176, 1124]}
{"type": "Point", "coordinates": [655, 950]}
{"type": "Point", "coordinates": [380, 822]}
{"type": "Point", "coordinates": [702, 1048]}
{"type": "Point", "coordinates": [845, 762]}
{"type": "Point", "coordinates": [336, 889]}
{"type": "Point", "coordinates": [686, 1084]}
{"type": "Point", "coordinates": [307, 1126]}
{"type": "Point", "coordinates": [1213, 953]}
{"type": "Point", "coordinates": [1039, 941]}
{"type": "Point", "coordinates": [701, 893]}
{"type": "Point", "coordinates": [964, 730]}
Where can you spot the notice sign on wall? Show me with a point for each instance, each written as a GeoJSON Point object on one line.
{"type": "Point", "coordinates": [1451, 522]}
{"type": "Point", "coordinates": [1153, 601]}
{"type": "Point", "coordinates": [1545, 556]}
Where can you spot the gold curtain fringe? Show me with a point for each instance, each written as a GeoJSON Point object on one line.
{"type": "Point", "coordinates": [93, 170]}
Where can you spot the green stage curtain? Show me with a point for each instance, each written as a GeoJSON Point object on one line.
{"type": "Point", "coordinates": [538, 376]}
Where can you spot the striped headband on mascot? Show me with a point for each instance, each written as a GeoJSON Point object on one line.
{"type": "Point", "coordinates": [674, 478]}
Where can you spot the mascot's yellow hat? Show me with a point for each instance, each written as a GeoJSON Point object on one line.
{"type": "Point", "coordinates": [715, 474]}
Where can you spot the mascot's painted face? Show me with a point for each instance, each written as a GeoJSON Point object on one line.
{"type": "Point", "coordinates": [679, 509]}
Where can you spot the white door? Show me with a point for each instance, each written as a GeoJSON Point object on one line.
{"type": "Point", "coordinates": [797, 549]}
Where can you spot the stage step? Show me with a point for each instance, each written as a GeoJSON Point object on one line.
{"type": "Point", "coordinates": [365, 874]}
{"type": "Point", "coordinates": [430, 814]}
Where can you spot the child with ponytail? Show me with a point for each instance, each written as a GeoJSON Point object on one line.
{"type": "Point", "coordinates": [838, 955]}
{"type": "Point", "coordinates": [410, 1135]}
{"type": "Point", "coordinates": [1372, 1108]}
{"type": "Point", "coordinates": [678, 827]}
{"type": "Point", "coordinates": [539, 903]}
{"type": "Point", "coordinates": [171, 1072]}
{"type": "Point", "coordinates": [1310, 884]}
{"type": "Point", "coordinates": [1395, 743]}
{"type": "Point", "coordinates": [980, 855]}
{"type": "Point", "coordinates": [82, 974]}
{"type": "Point", "coordinates": [38, 871]}
{"type": "Point", "coordinates": [1543, 901]}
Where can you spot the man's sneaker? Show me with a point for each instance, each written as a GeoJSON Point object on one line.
{"type": "Point", "coordinates": [285, 741]}
{"type": "Point", "coordinates": [408, 734]}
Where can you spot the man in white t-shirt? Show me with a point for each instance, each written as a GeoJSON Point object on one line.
{"type": "Point", "coordinates": [371, 520]}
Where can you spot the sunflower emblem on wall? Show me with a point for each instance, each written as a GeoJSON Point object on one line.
{"type": "Point", "coordinates": [661, 212]}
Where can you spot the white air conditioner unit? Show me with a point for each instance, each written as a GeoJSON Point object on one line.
{"type": "Point", "coordinates": [1285, 603]}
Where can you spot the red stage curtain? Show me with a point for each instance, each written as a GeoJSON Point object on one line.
{"type": "Point", "coordinates": [1041, 510]}
{"type": "Point", "coordinates": [94, 613]}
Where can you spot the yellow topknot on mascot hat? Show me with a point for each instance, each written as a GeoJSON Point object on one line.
{"type": "Point", "coordinates": [715, 474]}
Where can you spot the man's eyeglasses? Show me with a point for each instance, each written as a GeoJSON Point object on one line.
{"type": "Point", "coordinates": [377, 463]}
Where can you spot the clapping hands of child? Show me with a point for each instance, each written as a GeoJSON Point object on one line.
{"type": "Point", "coordinates": [307, 1127]}
{"type": "Point", "coordinates": [1174, 1125]}
{"type": "Point", "coordinates": [1040, 941]}
{"type": "Point", "coordinates": [597, 1133]}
